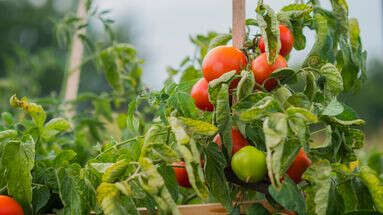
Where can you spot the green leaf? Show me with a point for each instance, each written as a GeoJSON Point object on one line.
{"type": "Point", "coordinates": [7, 118]}
{"type": "Point", "coordinates": [333, 81]}
{"type": "Point", "coordinates": [262, 108]}
{"type": "Point", "coordinates": [18, 160]}
{"type": "Point", "coordinates": [354, 193]}
{"type": "Point", "coordinates": [302, 113]}
{"type": "Point", "coordinates": [322, 51]}
{"type": "Point", "coordinates": [318, 174]}
{"type": "Point", "coordinates": [101, 167]}
{"type": "Point", "coordinates": [223, 120]}
{"type": "Point", "coordinates": [328, 139]}
{"type": "Point", "coordinates": [282, 94]}
{"type": "Point", "coordinates": [285, 75]}
{"type": "Point", "coordinates": [63, 158]}
{"type": "Point", "coordinates": [375, 161]}
{"type": "Point", "coordinates": [251, 22]}
{"type": "Point", "coordinates": [155, 146]}
{"type": "Point", "coordinates": [299, 100]}
{"type": "Point", "coordinates": [112, 202]}
{"type": "Point", "coordinates": [190, 74]}
{"type": "Point", "coordinates": [334, 108]}
{"type": "Point", "coordinates": [310, 87]}
{"type": "Point", "coordinates": [258, 209]}
{"type": "Point", "coordinates": [219, 40]}
{"type": "Point", "coordinates": [132, 122]}
{"type": "Point", "coordinates": [355, 138]}
{"type": "Point", "coordinates": [289, 196]}
{"type": "Point", "coordinates": [296, 16]}
{"type": "Point", "coordinates": [187, 149]}
{"type": "Point", "coordinates": [7, 134]}
{"type": "Point", "coordinates": [183, 103]}
{"type": "Point", "coordinates": [203, 41]}
{"type": "Point", "coordinates": [374, 185]}
{"type": "Point", "coordinates": [199, 127]}
{"type": "Point", "coordinates": [115, 171]}
{"type": "Point", "coordinates": [290, 151]}
{"type": "Point", "coordinates": [245, 85]}
{"type": "Point", "coordinates": [112, 71]}
{"type": "Point", "coordinates": [54, 127]}
{"type": "Point", "coordinates": [36, 112]}
{"type": "Point", "coordinates": [153, 183]}
{"type": "Point", "coordinates": [269, 26]}
{"type": "Point", "coordinates": [275, 129]}
{"type": "Point", "coordinates": [215, 176]}
{"type": "Point", "coordinates": [77, 196]}
{"type": "Point", "coordinates": [216, 84]}
{"type": "Point", "coordinates": [41, 195]}
{"type": "Point", "coordinates": [170, 180]}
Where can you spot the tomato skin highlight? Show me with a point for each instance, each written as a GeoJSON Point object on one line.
{"type": "Point", "coordinates": [262, 70]}
{"type": "Point", "coordinates": [238, 141]}
{"type": "Point", "coordinates": [299, 166]}
{"type": "Point", "coordinates": [249, 164]}
{"type": "Point", "coordinates": [200, 95]}
{"type": "Point", "coordinates": [181, 174]}
{"type": "Point", "coordinates": [222, 59]}
{"type": "Point", "coordinates": [9, 206]}
{"type": "Point", "coordinates": [287, 41]}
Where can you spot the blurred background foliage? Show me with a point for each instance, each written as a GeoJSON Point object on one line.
{"type": "Point", "coordinates": [33, 63]}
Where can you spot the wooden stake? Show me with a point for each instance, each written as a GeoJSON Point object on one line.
{"type": "Point", "coordinates": [75, 59]}
{"type": "Point", "coordinates": [239, 16]}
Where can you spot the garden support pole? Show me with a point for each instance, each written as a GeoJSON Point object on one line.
{"type": "Point", "coordinates": [75, 59]}
{"type": "Point", "coordinates": [239, 15]}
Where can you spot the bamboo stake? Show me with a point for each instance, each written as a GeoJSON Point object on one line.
{"type": "Point", "coordinates": [75, 59]}
{"type": "Point", "coordinates": [239, 16]}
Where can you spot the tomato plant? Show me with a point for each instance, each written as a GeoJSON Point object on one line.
{"type": "Point", "coordinates": [132, 147]}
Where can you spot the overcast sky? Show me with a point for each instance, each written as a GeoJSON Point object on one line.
{"type": "Point", "coordinates": [162, 27]}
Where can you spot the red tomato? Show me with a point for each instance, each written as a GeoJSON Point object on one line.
{"type": "Point", "coordinates": [238, 141]}
{"type": "Point", "coordinates": [262, 70]}
{"type": "Point", "coordinates": [8, 206]}
{"type": "Point", "coordinates": [222, 59]}
{"type": "Point", "coordinates": [181, 174]}
{"type": "Point", "coordinates": [299, 166]}
{"type": "Point", "coordinates": [200, 95]}
{"type": "Point", "coordinates": [287, 41]}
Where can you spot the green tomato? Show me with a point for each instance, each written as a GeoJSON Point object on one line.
{"type": "Point", "coordinates": [249, 164]}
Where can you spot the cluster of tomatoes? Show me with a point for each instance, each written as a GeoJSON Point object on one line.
{"type": "Point", "coordinates": [248, 163]}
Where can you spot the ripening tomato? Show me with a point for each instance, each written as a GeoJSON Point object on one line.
{"type": "Point", "coordinates": [299, 166]}
{"type": "Point", "coordinates": [249, 164]}
{"type": "Point", "coordinates": [9, 206]}
{"type": "Point", "coordinates": [287, 41]}
{"type": "Point", "coordinates": [238, 141]}
{"type": "Point", "coordinates": [181, 174]}
{"type": "Point", "coordinates": [200, 95]}
{"type": "Point", "coordinates": [222, 59]}
{"type": "Point", "coordinates": [262, 70]}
